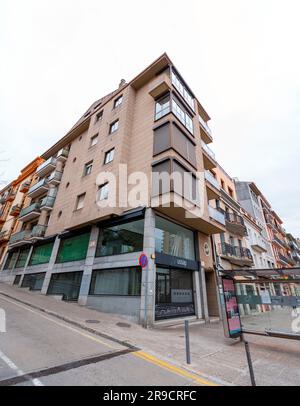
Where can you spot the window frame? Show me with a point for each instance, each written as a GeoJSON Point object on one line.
{"type": "Point", "coordinates": [82, 195]}
{"type": "Point", "coordinates": [101, 187]}
{"type": "Point", "coordinates": [107, 154]}
{"type": "Point", "coordinates": [111, 126]}
{"type": "Point", "coordinates": [99, 116]}
{"type": "Point", "coordinates": [88, 167]}
{"type": "Point", "coordinates": [94, 137]}
{"type": "Point", "coordinates": [118, 101]}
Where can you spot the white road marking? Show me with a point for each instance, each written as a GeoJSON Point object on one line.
{"type": "Point", "coordinates": [19, 372]}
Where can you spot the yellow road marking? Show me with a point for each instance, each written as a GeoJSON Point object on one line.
{"type": "Point", "coordinates": [140, 354]}
{"type": "Point", "coordinates": [165, 365]}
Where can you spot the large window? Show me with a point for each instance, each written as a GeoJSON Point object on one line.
{"type": "Point", "coordinates": [182, 90]}
{"type": "Point", "coordinates": [23, 255]}
{"type": "Point", "coordinates": [41, 254]}
{"type": "Point", "coordinates": [11, 260]}
{"type": "Point", "coordinates": [172, 239]}
{"type": "Point", "coordinates": [164, 105]}
{"type": "Point", "coordinates": [73, 248]}
{"type": "Point", "coordinates": [121, 239]}
{"type": "Point", "coordinates": [118, 282]}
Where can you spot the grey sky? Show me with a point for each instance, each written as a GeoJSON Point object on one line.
{"type": "Point", "coordinates": [241, 58]}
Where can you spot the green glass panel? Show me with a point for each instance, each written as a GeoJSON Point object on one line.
{"type": "Point", "coordinates": [41, 254]}
{"type": "Point", "coordinates": [23, 255]}
{"type": "Point", "coordinates": [73, 248]}
{"type": "Point", "coordinates": [11, 260]}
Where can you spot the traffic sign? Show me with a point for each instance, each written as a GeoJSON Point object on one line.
{"type": "Point", "coordinates": [143, 260]}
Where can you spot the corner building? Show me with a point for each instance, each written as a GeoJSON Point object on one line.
{"type": "Point", "coordinates": [72, 247]}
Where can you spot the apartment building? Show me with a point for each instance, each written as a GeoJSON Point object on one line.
{"type": "Point", "coordinates": [74, 244]}
{"type": "Point", "coordinates": [294, 244]}
{"type": "Point", "coordinates": [12, 199]}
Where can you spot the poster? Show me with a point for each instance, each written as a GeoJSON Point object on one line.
{"type": "Point", "coordinates": [231, 308]}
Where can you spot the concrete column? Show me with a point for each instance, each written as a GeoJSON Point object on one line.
{"type": "Point", "coordinates": [204, 312]}
{"type": "Point", "coordinates": [4, 261]}
{"type": "Point", "coordinates": [50, 266]}
{"type": "Point", "coordinates": [197, 295]}
{"type": "Point", "coordinates": [43, 217]}
{"type": "Point", "coordinates": [88, 267]}
{"type": "Point", "coordinates": [25, 266]}
{"type": "Point", "coordinates": [149, 273]}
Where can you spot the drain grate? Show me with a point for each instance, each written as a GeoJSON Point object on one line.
{"type": "Point", "coordinates": [125, 325]}
{"type": "Point", "coordinates": [92, 321]}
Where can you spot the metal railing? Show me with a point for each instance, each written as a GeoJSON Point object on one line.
{"type": "Point", "coordinates": [279, 241]}
{"type": "Point", "coordinates": [208, 150]}
{"type": "Point", "coordinates": [30, 209]}
{"type": "Point", "coordinates": [234, 251]}
{"type": "Point", "coordinates": [234, 218]}
{"type": "Point", "coordinates": [20, 236]}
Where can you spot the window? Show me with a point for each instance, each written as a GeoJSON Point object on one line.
{"type": "Point", "coordinates": [182, 90]}
{"type": "Point", "coordinates": [88, 168]}
{"type": "Point", "coordinates": [80, 201]}
{"type": "Point", "coordinates": [73, 248]}
{"type": "Point", "coordinates": [162, 107]}
{"type": "Point", "coordinates": [11, 260]}
{"type": "Point", "coordinates": [23, 255]}
{"type": "Point", "coordinates": [41, 254]}
{"type": "Point", "coordinates": [230, 191]}
{"type": "Point", "coordinates": [103, 192]}
{"type": "Point", "coordinates": [94, 140]}
{"type": "Point", "coordinates": [109, 156]}
{"type": "Point", "coordinates": [121, 239]}
{"type": "Point", "coordinates": [99, 116]}
{"type": "Point", "coordinates": [118, 101]}
{"type": "Point", "coordinates": [172, 239]}
{"type": "Point", "coordinates": [118, 282]}
{"type": "Point", "coordinates": [222, 184]}
{"type": "Point", "coordinates": [114, 127]}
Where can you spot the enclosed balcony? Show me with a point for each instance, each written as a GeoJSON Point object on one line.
{"type": "Point", "coordinates": [46, 167]}
{"type": "Point", "coordinates": [15, 210]}
{"type": "Point", "coordinates": [206, 133]}
{"type": "Point", "coordinates": [20, 238]}
{"type": "Point", "coordinates": [235, 224]}
{"type": "Point", "coordinates": [47, 203]}
{"type": "Point", "coordinates": [54, 178]}
{"type": "Point", "coordinates": [216, 215]}
{"type": "Point", "coordinates": [38, 232]}
{"type": "Point", "coordinates": [38, 189]}
{"type": "Point", "coordinates": [209, 157]}
{"type": "Point", "coordinates": [235, 255]}
{"type": "Point", "coordinates": [25, 186]}
{"type": "Point", "coordinates": [62, 155]}
{"type": "Point", "coordinates": [213, 187]}
{"type": "Point", "coordinates": [31, 212]}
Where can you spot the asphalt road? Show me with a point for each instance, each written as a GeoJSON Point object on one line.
{"type": "Point", "coordinates": [41, 350]}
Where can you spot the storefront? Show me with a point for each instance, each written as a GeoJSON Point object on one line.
{"type": "Point", "coordinates": [175, 267]}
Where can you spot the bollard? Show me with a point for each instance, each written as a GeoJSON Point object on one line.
{"type": "Point", "coordinates": [250, 363]}
{"type": "Point", "coordinates": [187, 342]}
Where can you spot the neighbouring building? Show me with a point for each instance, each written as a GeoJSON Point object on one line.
{"type": "Point", "coordinates": [294, 245]}
{"type": "Point", "coordinates": [67, 243]}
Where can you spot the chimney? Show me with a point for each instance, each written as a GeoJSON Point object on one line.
{"type": "Point", "coordinates": [122, 83]}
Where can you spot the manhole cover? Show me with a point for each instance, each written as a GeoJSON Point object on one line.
{"type": "Point", "coordinates": [123, 325]}
{"type": "Point", "coordinates": [92, 321]}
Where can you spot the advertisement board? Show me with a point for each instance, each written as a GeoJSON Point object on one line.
{"type": "Point", "coordinates": [232, 314]}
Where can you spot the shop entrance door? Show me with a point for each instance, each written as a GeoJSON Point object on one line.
{"type": "Point", "coordinates": [174, 293]}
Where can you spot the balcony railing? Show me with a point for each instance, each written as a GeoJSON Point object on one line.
{"type": "Point", "coordinates": [205, 126]}
{"type": "Point", "coordinates": [279, 241]}
{"type": "Point", "coordinates": [25, 186]}
{"type": "Point", "coordinates": [216, 215]}
{"type": "Point", "coordinates": [208, 150]}
{"type": "Point", "coordinates": [15, 210]}
{"type": "Point", "coordinates": [21, 236]}
{"type": "Point", "coordinates": [213, 181]}
{"type": "Point", "coordinates": [235, 219]}
{"type": "Point", "coordinates": [234, 251]}
{"type": "Point", "coordinates": [54, 178]}
{"type": "Point", "coordinates": [46, 167]}
{"type": "Point", "coordinates": [283, 258]}
{"type": "Point", "coordinates": [4, 235]}
{"type": "Point", "coordinates": [38, 231]}
{"type": "Point", "coordinates": [41, 184]}
{"type": "Point", "coordinates": [62, 154]}
{"type": "Point", "coordinates": [48, 202]}
{"type": "Point", "coordinates": [35, 207]}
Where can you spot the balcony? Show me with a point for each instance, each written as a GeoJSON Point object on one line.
{"type": "Point", "coordinates": [160, 86]}
{"type": "Point", "coordinates": [38, 189]}
{"type": "Point", "coordinates": [235, 224]}
{"type": "Point", "coordinates": [62, 155]}
{"type": "Point", "coordinates": [236, 255]}
{"type": "Point", "coordinates": [15, 210]}
{"type": "Point", "coordinates": [30, 212]}
{"type": "Point", "coordinates": [259, 246]}
{"type": "Point", "coordinates": [206, 133]}
{"type": "Point", "coordinates": [8, 197]}
{"type": "Point", "coordinates": [38, 232]}
{"type": "Point", "coordinates": [20, 238]}
{"type": "Point", "coordinates": [2, 216]}
{"type": "Point", "coordinates": [213, 187]}
{"type": "Point", "coordinates": [4, 236]}
{"type": "Point", "coordinates": [46, 167]}
{"type": "Point", "coordinates": [209, 157]}
{"type": "Point", "coordinates": [25, 186]}
{"type": "Point", "coordinates": [54, 178]}
{"type": "Point", "coordinates": [216, 215]}
{"type": "Point", "coordinates": [284, 260]}
{"type": "Point", "coordinates": [279, 242]}
{"type": "Point", "coordinates": [47, 203]}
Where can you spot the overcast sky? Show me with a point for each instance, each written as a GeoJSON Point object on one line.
{"type": "Point", "coordinates": [241, 58]}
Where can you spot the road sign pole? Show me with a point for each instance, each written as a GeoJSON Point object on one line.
{"type": "Point", "coordinates": [146, 299]}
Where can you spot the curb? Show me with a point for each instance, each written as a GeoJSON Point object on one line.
{"type": "Point", "coordinates": [74, 323]}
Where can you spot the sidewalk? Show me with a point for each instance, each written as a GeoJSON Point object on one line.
{"type": "Point", "coordinates": [276, 361]}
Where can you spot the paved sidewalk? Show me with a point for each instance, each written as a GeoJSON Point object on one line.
{"type": "Point", "coordinates": [276, 361]}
